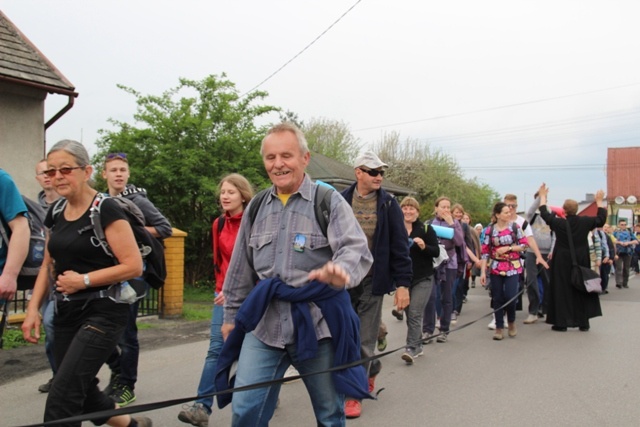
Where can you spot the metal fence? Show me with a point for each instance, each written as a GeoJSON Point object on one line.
{"type": "Point", "coordinates": [149, 305]}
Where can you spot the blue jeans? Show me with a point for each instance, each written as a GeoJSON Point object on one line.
{"type": "Point", "coordinates": [504, 288]}
{"type": "Point", "coordinates": [48, 310]}
{"type": "Point", "coordinates": [207, 385]}
{"type": "Point", "coordinates": [259, 362]}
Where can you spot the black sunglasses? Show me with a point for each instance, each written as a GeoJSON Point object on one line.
{"type": "Point", "coordinates": [372, 172]}
{"type": "Point", "coordinates": [51, 173]}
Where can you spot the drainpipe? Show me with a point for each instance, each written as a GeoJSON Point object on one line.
{"type": "Point", "coordinates": [60, 113]}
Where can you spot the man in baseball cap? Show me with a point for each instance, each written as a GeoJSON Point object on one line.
{"type": "Point", "coordinates": [369, 160]}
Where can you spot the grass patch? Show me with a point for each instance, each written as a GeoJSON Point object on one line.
{"type": "Point", "coordinates": [12, 338]}
{"type": "Point", "coordinates": [198, 302]}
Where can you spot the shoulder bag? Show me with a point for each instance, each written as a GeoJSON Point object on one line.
{"type": "Point", "coordinates": [582, 278]}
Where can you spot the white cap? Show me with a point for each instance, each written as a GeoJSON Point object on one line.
{"type": "Point", "coordinates": [370, 160]}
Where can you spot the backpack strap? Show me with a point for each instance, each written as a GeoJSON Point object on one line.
{"type": "Point", "coordinates": [96, 223]}
{"type": "Point", "coordinates": [322, 205]}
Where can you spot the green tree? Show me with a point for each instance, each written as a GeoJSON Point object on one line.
{"type": "Point", "coordinates": [331, 138]}
{"type": "Point", "coordinates": [433, 173]}
{"type": "Point", "coordinates": [181, 144]}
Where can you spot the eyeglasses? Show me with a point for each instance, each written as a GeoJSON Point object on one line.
{"type": "Point", "coordinates": [51, 173]}
{"type": "Point", "coordinates": [372, 172]}
{"type": "Point", "coordinates": [112, 156]}
{"type": "Point", "coordinates": [512, 206]}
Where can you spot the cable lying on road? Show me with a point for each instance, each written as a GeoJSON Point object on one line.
{"type": "Point", "coordinates": [147, 407]}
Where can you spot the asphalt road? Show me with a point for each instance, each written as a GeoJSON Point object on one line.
{"type": "Point", "coordinates": [541, 377]}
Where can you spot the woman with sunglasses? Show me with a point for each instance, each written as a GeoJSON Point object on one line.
{"type": "Point", "coordinates": [88, 321]}
{"type": "Point", "coordinates": [235, 194]}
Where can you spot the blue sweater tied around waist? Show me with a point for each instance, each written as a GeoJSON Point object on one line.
{"type": "Point", "coordinates": [337, 311]}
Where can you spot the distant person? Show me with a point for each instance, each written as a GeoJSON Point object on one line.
{"type": "Point", "coordinates": [501, 248]}
{"type": "Point", "coordinates": [607, 263]}
{"type": "Point", "coordinates": [124, 362]}
{"type": "Point", "coordinates": [544, 239]}
{"type": "Point", "coordinates": [381, 219]}
{"type": "Point", "coordinates": [625, 245]}
{"type": "Point", "coordinates": [46, 197]}
{"type": "Point", "coordinates": [423, 247]}
{"type": "Point", "coordinates": [569, 307]}
{"type": "Point", "coordinates": [445, 273]}
{"type": "Point", "coordinates": [282, 250]}
{"type": "Point", "coordinates": [89, 321]}
{"type": "Point", "coordinates": [235, 195]}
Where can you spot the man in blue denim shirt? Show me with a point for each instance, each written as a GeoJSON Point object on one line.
{"type": "Point", "coordinates": [625, 244]}
{"type": "Point", "coordinates": [285, 241]}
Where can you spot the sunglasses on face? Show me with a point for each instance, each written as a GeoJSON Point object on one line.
{"type": "Point", "coordinates": [51, 173]}
{"type": "Point", "coordinates": [512, 206]}
{"type": "Point", "coordinates": [112, 156]}
{"type": "Point", "coordinates": [372, 172]}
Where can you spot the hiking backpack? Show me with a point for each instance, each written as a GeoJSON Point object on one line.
{"type": "Point", "coordinates": [322, 209]}
{"type": "Point", "coordinates": [151, 249]}
{"type": "Point", "coordinates": [37, 236]}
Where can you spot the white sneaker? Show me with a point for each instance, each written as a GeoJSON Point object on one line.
{"type": "Point", "coordinates": [531, 319]}
{"type": "Point", "coordinates": [454, 318]}
{"type": "Point", "coordinates": [492, 324]}
{"type": "Point", "coordinates": [438, 323]}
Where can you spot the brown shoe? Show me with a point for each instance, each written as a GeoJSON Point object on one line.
{"type": "Point", "coordinates": [513, 331]}
{"type": "Point", "coordinates": [498, 335]}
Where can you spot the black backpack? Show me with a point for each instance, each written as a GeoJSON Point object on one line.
{"type": "Point", "coordinates": [151, 249]}
{"type": "Point", "coordinates": [37, 238]}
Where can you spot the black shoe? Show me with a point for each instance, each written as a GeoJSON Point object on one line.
{"type": "Point", "coordinates": [113, 382]}
{"type": "Point", "coordinates": [605, 292]}
{"type": "Point", "coordinates": [397, 314]}
{"type": "Point", "coordinates": [44, 388]}
{"type": "Point", "coordinates": [619, 286]}
{"type": "Point", "coordinates": [559, 328]}
{"type": "Point", "coordinates": [584, 328]}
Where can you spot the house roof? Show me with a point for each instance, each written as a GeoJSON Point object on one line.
{"type": "Point", "coordinates": [23, 64]}
{"type": "Point", "coordinates": [622, 172]}
{"type": "Point", "coordinates": [341, 176]}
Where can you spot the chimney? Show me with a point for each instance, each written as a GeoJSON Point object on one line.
{"type": "Point", "coordinates": [589, 197]}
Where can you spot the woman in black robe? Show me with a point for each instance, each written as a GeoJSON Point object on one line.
{"type": "Point", "coordinates": [569, 307]}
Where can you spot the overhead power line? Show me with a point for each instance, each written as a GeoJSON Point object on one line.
{"type": "Point", "coordinates": [302, 51]}
{"type": "Point", "coordinates": [500, 107]}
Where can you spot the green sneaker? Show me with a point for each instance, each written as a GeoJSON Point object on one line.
{"type": "Point", "coordinates": [122, 395]}
{"type": "Point", "coordinates": [382, 343]}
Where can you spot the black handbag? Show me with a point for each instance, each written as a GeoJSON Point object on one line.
{"type": "Point", "coordinates": [582, 278]}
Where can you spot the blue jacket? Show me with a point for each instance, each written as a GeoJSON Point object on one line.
{"type": "Point", "coordinates": [342, 321]}
{"type": "Point", "coordinates": [391, 261]}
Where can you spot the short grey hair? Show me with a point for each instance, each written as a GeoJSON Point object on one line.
{"type": "Point", "coordinates": [74, 148]}
{"type": "Point", "coordinates": [288, 127]}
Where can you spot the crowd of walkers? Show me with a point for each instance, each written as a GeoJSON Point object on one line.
{"type": "Point", "coordinates": [301, 271]}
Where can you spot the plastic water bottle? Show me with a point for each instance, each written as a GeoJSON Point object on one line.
{"type": "Point", "coordinates": [128, 295]}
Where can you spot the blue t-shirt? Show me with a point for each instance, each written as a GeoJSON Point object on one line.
{"type": "Point", "coordinates": [11, 205]}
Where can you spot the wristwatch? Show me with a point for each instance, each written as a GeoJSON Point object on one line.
{"type": "Point", "coordinates": [87, 281]}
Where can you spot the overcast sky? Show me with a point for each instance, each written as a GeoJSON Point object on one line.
{"type": "Point", "coordinates": [519, 92]}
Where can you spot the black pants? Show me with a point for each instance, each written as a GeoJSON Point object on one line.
{"type": "Point", "coordinates": [85, 337]}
